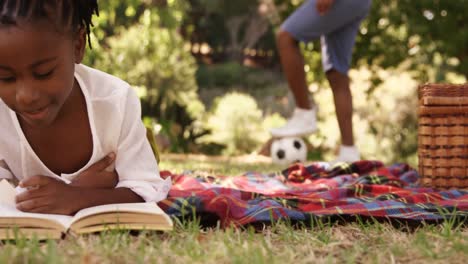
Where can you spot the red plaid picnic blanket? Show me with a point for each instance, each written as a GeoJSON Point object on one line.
{"type": "Point", "coordinates": [304, 193]}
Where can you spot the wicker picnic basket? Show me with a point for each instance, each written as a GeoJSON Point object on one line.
{"type": "Point", "coordinates": [443, 135]}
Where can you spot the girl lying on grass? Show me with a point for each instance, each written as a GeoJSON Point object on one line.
{"type": "Point", "coordinates": [71, 135]}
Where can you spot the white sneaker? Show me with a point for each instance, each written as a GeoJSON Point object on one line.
{"type": "Point", "coordinates": [303, 122]}
{"type": "Point", "coordinates": [347, 154]}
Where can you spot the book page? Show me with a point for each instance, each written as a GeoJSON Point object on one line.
{"type": "Point", "coordinates": [8, 208]}
{"type": "Point", "coordinates": [9, 215]}
{"type": "Point", "coordinates": [135, 216]}
{"type": "Point", "coordinates": [145, 208]}
{"type": "Point", "coordinates": [7, 193]}
{"type": "Point", "coordinates": [10, 212]}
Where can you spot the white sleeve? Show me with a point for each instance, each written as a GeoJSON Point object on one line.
{"type": "Point", "coordinates": [135, 162]}
{"type": "Point", "coordinates": [4, 171]}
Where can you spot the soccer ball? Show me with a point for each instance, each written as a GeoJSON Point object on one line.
{"type": "Point", "coordinates": [285, 151]}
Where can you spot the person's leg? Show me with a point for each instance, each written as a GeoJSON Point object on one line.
{"type": "Point", "coordinates": [306, 24]}
{"type": "Point", "coordinates": [303, 120]}
{"type": "Point", "coordinates": [342, 96]}
{"type": "Point", "coordinates": [293, 68]}
{"type": "Point", "coordinates": [337, 47]}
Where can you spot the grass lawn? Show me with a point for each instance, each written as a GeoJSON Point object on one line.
{"type": "Point", "coordinates": [280, 243]}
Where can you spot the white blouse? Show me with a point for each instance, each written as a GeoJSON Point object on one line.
{"type": "Point", "coordinates": [114, 113]}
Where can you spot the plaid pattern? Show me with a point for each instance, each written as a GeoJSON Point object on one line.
{"type": "Point", "coordinates": [303, 193]}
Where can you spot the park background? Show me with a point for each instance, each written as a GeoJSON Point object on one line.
{"type": "Point", "coordinates": [208, 73]}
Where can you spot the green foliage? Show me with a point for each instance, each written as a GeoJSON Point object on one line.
{"type": "Point", "coordinates": [229, 26]}
{"type": "Point", "coordinates": [139, 43]}
{"type": "Point", "coordinates": [313, 58]}
{"type": "Point", "coordinates": [235, 122]}
{"type": "Point", "coordinates": [411, 41]}
{"type": "Point", "coordinates": [385, 121]}
{"type": "Point", "coordinates": [220, 75]}
{"type": "Point", "coordinates": [423, 34]}
{"type": "Point", "coordinates": [233, 74]}
{"type": "Point", "coordinates": [418, 32]}
{"type": "Point", "coordinates": [227, 7]}
{"type": "Point", "coordinates": [153, 60]}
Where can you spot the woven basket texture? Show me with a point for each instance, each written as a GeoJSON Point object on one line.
{"type": "Point", "coordinates": [443, 135]}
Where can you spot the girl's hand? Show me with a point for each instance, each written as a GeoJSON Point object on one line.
{"type": "Point", "coordinates": [47, 195]}
{"type": "Point", "coordinates": [323, 6]}
{"type": "Point", "coordinates": [97, 176]}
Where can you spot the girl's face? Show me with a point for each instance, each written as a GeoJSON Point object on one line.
{"type": "Point", "coordinates": [37, 66]}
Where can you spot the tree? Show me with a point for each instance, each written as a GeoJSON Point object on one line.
{"type": "Point", "coordinates": [426, 31]}
{"type": "Point", "coordinates": [230, 25]}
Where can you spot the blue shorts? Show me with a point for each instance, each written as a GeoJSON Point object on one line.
{"type": "Point", "coordinates": [337, 29]}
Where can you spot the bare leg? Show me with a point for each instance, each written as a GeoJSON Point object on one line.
{"type": "Point", "coordinates": [293, 67]}
{"type": "Point", "coordinates": [304, 118]}
{"type": "Point", "coordinates": [343, 105]}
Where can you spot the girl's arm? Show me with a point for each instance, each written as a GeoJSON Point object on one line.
{"type": "Point", "coordinates": [47, 195]}
{"type": "Point", "coordinates": [94, 186]}
{"type": "Point", "coordinates": [135, 161]}
{"type": "Point", "coordinates": [94, 197]}
{"type": "Point", "coordinates": [97, 175]}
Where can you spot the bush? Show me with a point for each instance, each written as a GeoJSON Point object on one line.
{"type": "Point", "coordinates": [221, 75]}
{"type": "Point", "coordinates": [385, 120]}
{"type": "Point", "coordinates": [152, 59]}
{"type": "Point", "coordinates": [236, 123]}
{"type": "Point", "coordinates": [233, 74]}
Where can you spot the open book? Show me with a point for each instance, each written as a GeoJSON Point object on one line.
{"type": "Point", "coordinates": [128, 216]}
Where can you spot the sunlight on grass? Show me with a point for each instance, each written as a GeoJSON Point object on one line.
{"type": "Point", "coordinates": [280, 243]}
{"type": "Point", "coordinates": [216, 165]}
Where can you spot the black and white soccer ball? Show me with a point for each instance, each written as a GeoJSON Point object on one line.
{"type": "Point", "coordinates": [285, 151]}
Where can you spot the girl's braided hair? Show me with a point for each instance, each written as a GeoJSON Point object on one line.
{"type": "Point", "coordinates": [76, 14]}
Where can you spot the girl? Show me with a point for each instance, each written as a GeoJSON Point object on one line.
{"type": "Point", "coordinates": [61, 123]}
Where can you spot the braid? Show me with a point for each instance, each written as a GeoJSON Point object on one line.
{"type": "Point", "coordinates": [75, 13]}
{"type": "Point", "coordinates": [83, 13]}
